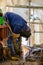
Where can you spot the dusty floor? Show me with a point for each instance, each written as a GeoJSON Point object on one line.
{"type": "Point", "coordinates": [18, 63]}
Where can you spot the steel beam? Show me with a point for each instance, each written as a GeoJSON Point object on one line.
{"type": "Point", "coordinates": [38, 32]}
{"type": "Point", "coordinates": [24, 6]}
{"type": "Point", "coordinates": [35, 23]}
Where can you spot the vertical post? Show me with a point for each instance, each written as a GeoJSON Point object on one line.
{"type": "Point", "coordinates": [29, 23]}
{"type": "Point", "coordinates": [33, 29]}
{"type": "Point", "coordinates": [29, 19]}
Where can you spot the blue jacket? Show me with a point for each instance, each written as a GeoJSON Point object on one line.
{"type": "Point", "coordinates": [16, 22]}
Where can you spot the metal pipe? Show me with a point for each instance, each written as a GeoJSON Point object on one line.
{"type": "Point", "coordinates": [35, 23]}
{"type": "Point", "coordinates": [24, 6]}
{"type": "Point", "coordinates": [38, 32]}
{"type": "Point", "coordinates": [29, 19]}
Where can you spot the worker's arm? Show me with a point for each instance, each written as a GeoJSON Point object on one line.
{"type": "Point", "coordinates": [13, 34]}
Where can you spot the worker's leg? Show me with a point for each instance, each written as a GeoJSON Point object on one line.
{"type": "Point", "coordinates": [10, 45]}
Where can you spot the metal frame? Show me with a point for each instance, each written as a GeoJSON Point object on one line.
{"type": "Point", "coordinates": [29, 7]}
{"type": "Point", "coordinates": [29, 21]}
{"type": "Point", "coordinates": [23, 6]}
{"type": "Point", "coordinates": [38, 32]}
{"type": "Point", "coordinates": [35, 23]}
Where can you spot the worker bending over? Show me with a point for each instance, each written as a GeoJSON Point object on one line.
{"type": "Point", "coordinates": [18, 26]}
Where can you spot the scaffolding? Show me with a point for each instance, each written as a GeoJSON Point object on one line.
{"type": "Point", "coordinates": [29, 7]}
{"type": "Point", "coordinates": [30, 23]}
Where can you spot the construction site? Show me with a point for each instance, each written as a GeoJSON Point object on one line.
{"type": "Point", "coordinates": [21, 32]}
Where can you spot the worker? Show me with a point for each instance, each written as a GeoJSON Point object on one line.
{"type": "Point", "coordinates": [1, 18]}
{"type": "Point", "coordinates": [18, 25]}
